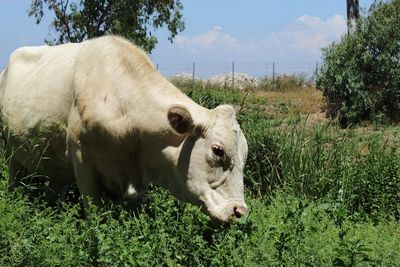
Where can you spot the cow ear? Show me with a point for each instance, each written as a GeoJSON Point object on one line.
{"type": "Point", "coordinates": [180, 119]}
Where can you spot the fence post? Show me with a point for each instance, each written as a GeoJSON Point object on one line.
{"type": "Point", "coordinates": [273, 74]}
{"type": "Point", "coordinates": [233, 74]}
{"type": "Point", "coordinates": [194, 67]}
{"type": "Point", "coordinates": [316, 69]}
{"type": "Point", "coordinates": [157, 66]}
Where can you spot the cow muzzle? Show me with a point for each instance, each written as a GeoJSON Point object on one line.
{"type": "Point", "coordinates": [229, 214]}
{"type": "Point", "coordinates": [239, 211]}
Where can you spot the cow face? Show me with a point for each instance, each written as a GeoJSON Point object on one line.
{"type": "Point", "coordinates": [210, 161]}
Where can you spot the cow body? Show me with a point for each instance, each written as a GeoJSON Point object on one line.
{"type": "Point", "coordinates": [100, 114]}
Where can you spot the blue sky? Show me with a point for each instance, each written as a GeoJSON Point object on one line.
{"type": "Point", "coordinates": [216, 30]}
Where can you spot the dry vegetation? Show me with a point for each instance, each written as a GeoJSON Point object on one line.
{"type": "Point", "coordinates": [307, 101]}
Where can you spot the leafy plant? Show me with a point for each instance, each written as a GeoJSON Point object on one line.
{"type": "Point", "coordinates": [78, 20]}
{"type": "Point", "coordinates": [360, 75]}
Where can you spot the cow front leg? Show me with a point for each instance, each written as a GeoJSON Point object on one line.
{"type": "Point", "coordinates": [85, 176]}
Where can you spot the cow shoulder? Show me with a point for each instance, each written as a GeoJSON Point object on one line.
{"type": "Point", "coordinates": [112, 80]}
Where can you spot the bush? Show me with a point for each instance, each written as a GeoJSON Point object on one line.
{"type": "Point", "coordinates": [286, 82]}
{"type": "Point", "coordinates": [360, 76]}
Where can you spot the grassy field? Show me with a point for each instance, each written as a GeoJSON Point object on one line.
{"type": "Point", "coordinates": [319, 196]}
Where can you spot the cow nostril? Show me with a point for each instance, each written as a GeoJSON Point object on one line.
{"type": "Point", "coordinates": [239, 211]}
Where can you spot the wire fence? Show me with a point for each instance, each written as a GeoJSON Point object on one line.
{"type": "Point", "coordinates": [257, 69]}
{"type": "Point", "coordinates": [231, 73]}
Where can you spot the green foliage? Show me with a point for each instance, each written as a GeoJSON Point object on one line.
{"type": "Point", "coordinates": [263, 173]}
{"type": "Point", "coordinates": [78, 20]}
{"type": "Point", "coordinates": [292, 232]}
{"type": "Point", "coordinates": [285, 82]}
{"type": "Point", "coordinates": [287, 231]}
{"type": "Point", "coordinates": [360, 75]}
{"type": "Point", "coordinates": [361, 175]}
{"type": "Point", "coordinates": [165, 232]}
{"type": "Point", "coordinates": [212, 97]}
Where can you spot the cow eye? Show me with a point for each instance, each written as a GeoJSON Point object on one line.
{"type": "Point", "coordinates": [218, 151]}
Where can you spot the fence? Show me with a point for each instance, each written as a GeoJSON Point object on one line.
{"type": "Point", "coordinates": [233, 71]}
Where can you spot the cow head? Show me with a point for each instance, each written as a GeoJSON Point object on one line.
{"type": "Point", "coordinates": [209, 162]}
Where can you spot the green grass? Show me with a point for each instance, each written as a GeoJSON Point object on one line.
{"type": "Point", "coordinates": [319, 196]}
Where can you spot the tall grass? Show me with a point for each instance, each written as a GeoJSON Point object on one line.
{"type": "Point", "coordinates": [286, 82]}
{"type": "Point", "coordinates": [360, 174]}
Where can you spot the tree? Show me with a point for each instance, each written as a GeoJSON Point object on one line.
{"type": "Point", "coordinates": [360, 75]}
{"type": "Point", "coordinates": [136, 20]}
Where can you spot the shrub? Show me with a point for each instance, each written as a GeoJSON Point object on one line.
{"type": "Point", "coordinates": [360, 76]}
{"type": "Point", "coordinates": [285, 82]}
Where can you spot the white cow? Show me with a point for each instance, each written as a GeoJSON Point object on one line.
{"type": "Point", "coordinates": [100, 113]}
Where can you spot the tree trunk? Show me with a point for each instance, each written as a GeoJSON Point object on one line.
{"type": "Point", "coordinates": [352, 15]}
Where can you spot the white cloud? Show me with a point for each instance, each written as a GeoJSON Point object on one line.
{"type": "Point", "coordinates": [212, 40]}
{"type": "Point", "coordinates": [214, 36]}
{"type": "Point", "coordinates": [299, 41]}
{"type": "Point", "coordinates": [309, 20]}
{"type": "Point", "coordinates": [306, 36]}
